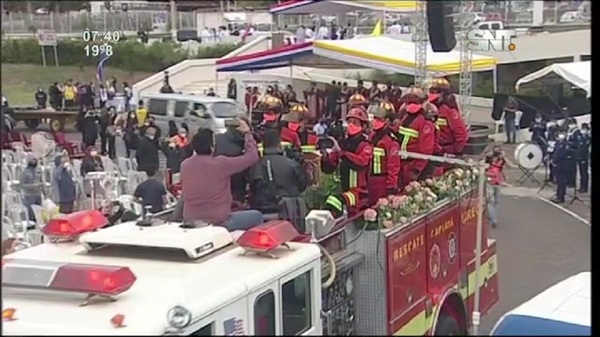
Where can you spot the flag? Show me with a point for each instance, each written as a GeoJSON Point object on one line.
{"type": "Point", "coordinates": [100, 67]}
{"type": "Point", "coordinates": [377, 29]}
{"type": "Point", "coordinates": [233, 327]}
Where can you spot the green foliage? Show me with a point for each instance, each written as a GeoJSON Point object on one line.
{"type": "Point", "coordinates": [130, 55]}
{"type": "Point", "coordinates": [316, 195]}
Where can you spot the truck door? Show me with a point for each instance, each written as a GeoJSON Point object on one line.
{"type": "Point", "coordinates": [300, 301]}
{"type": "Point", "coordinates": [264, 311]}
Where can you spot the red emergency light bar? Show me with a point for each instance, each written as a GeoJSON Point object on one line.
{"type": "Point", "coordinates": [268, 236]}
{"type": "Point", "coordinates": [74, 224]}
{"type": "Point", "coordinates": [71, 277]}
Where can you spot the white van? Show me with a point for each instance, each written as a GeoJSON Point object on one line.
{"type": "Point", "coordinates": [561, 310]}
{"type": "Point", "coordinates": [192, 110]}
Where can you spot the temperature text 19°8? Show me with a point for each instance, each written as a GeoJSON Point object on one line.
{"type": "Point", "coordinates": [98, 50]}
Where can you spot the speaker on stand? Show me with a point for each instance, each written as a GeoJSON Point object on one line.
{"type": "Point", "coordinates": [440, 24]}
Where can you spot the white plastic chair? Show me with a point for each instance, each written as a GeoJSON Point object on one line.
{"type": "Point", "coordinates": [35, 236]}
{"type": "Point", "coordinates": [125, 165]}
{"type": "Point", "coordinates": [8, 157]}
{"type": "Point", "coordinates": [171, 200]}
{"type": "Point", "coordinates": [128, 203]}
{"type": "Point", "coordinates": [20, 218]}
{"type": "Point", "coordinates": [38, 215]}
{"type": "Point", "coordinates": [11, 198]}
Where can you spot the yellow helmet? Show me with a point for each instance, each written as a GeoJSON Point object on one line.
{"type": "Point", "coordinates": [299, 108]}
{"type": "Point", "coordinates": [357, 99]}
{"type": "Point", "coordinates": [271, 102]}
{"type": "Point", "coordinates": [381, 109]}
{"type": "Point", "coordinates": [439, 83]}
{"type": "Point", "coordinates": [413, 95]}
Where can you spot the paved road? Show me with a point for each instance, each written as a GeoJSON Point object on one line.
{"type": "Point", "coordinates": [538, 245]}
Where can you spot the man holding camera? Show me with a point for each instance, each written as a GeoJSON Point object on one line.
{"type": "Point", "coordinates": [275, 176]}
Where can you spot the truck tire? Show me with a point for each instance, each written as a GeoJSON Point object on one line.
{"type": "Point", "coordinates": [32, 123]}
{"type": "Point", "coordinates": [447, 326]}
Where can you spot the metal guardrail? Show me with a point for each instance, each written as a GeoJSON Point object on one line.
{"type": "Point", "coordinates": [15, 23]}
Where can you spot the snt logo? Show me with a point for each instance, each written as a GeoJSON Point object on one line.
{"type": "Point", "coordinates": [487, 40]}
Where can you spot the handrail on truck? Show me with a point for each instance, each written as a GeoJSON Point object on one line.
{"type": "Point", "coordinates": [482, 166]}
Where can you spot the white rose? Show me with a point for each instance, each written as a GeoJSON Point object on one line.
{"type": "Point", "coordinates": [475, 171]}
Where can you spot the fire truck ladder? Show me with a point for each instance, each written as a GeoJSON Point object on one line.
{"type": "Point", "coordinates": [482, 166]}
{"type": "Point", "coordinates": [420, 38]}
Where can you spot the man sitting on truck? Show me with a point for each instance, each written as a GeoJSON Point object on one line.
{"type": "Point", "coordinates": [206, 183]}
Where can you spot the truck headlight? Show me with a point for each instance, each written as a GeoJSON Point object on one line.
{"type": "Point", "coordinates": [179, 317]}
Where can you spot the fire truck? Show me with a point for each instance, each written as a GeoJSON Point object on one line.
{"type": "Point", "coordinates": [435, 275]}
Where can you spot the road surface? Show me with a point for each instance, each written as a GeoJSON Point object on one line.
{"type": "Point", "coordinates": [539, 244]}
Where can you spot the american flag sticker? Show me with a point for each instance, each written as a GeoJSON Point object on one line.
{"type": "Point", "coordinates": [233, 327]}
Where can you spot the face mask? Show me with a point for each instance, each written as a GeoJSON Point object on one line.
{"type": "Point", "coordinates": [562, 136]}
{"type": "Point", "coordinates": [497, 152]}
{"type": "Point", "coordinates": [559, 123]}
{"type": "Point", "coordinates": [93, 153]}
{"type": "Point", "coordinates": [584, 132]}
{"type": "Point", "coordinates": [378, 124]}
{"type": "Point", "coordinates": [537, 120]}
{"type": "Point", "coordinates": [293, 126]}
{"type": "Point", "coordinates": [147, 124]}
{"type": "Point", "coordinates": [66, 165]}
{"type": "Point", "coordinates": [171, 145]}
{"type": "Point", "coordinates": [354, 129]}
{"type": "Point", "coordinates": [33, 163]}
{"type": "Point", "coordinates": [151, 137]}
{"type": "Point", "coordinates": [183, 135]}
{"type": "Point", "coordinates": [551, 124]}
{"type": "Point", "coordinates": [572, 126]}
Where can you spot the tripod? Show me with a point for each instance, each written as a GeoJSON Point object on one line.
{"type": "Point", "coordinates": [576, 197]}
{"type": "Point", "coordinates": [547, 181]}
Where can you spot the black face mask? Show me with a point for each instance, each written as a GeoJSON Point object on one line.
{"type": "Point", "coordinates": [497, 152]}
{"type": "Point", "coordinates": [33, 164]}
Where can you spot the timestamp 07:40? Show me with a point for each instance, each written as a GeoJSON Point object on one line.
{"type": "Point", "coordinates": [95, 50]}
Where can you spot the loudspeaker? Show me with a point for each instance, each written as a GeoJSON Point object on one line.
{"type": "Point", "coordinates": [440, 25]}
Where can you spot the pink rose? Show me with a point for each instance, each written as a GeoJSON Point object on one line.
{"type": "Point", "coordinates": [397, 201]}
{"type": "Point", "coordinates": [383, 202]}
{"type": "Point", "coordinates": [370, 215]}
{"type": "Point", "coordinates": [408, 188]}
{"type": "Point", "coordinates": [429, 182]}
{"type": "Point", "coordinates": [388, 224]}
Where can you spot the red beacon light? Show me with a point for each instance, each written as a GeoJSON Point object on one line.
{"type": "Point", "coordinates": [93, 280]}
{"type": "Point", "coordinates": [75, 224]}
{"type": "Point", "coordinates": [268, 236]}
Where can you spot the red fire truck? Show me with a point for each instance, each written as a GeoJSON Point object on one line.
{"type": "Point", "coordinates": [424, 277]}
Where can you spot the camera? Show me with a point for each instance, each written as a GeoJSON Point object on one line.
{"type": "Point", "coordinates": [294, 154]}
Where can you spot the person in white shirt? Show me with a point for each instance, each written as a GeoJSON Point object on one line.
{"type": "Point", "coordinates": [309, 33]}
{"type": "Point", "coordinates": [300, 35]}
{"type": "Point", "coordinates": [205, 34]}
{"type": "Point", "coordinates": [320, 128]}
{"type": "Point", "coordinates": [323, 33]}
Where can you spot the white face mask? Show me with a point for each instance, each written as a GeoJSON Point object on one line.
{"type": "Point", "coordinates": [151, 137]}
{"type": "Point", "coordinates": [572, 126]}
{"type": "Point", "coordinates": [551, 124]}
{"type": "Point", "coordinates": [93, 153]}
{"type": "Point", "coordinates": [585, 132]}
{"type": "Point", "coordinates": [562, 136]}
{"type": "Point", "coordinates": [538, 120]}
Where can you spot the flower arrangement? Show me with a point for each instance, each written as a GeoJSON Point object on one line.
{"type": "Point", "coordinates": [316, 195]}
{"type": "Point", "coordinates": [418, 198]}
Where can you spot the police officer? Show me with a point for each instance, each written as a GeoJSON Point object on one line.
{"type": "Point", "coordinates": [561, 159]}
{"type": "Point", "coordinates": [583, 157]}
{"type": "Point", "coordinates": [551, 137]}
{"type": "Point", "coordinates": [574, 140]}
{"type": "Point", "coordinates": [538, 132]}
{"type": "Point", "coordinates": [275, 176]}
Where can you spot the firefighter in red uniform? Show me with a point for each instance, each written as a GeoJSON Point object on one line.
{"type": "Point", "coordinates": [383, 180]}
{"type": "Point", "coordinates": [430, 112]}
{"type": "Point", "coordinates": [416, 134]}
{"type": "Point", "coordinates": [453, 131]}
{"type": "Point", "coordinates": [273, 119]}
{"type": "Point", "coordinates": [296, 120]}
{"type": "Point", "coordinates": [353, 156]}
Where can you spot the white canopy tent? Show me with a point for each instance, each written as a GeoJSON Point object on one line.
{"type": "Point", "coordinates": [577, 73]}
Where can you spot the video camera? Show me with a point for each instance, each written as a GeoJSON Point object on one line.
{"type": "Point", "coordinates": [294, 154]}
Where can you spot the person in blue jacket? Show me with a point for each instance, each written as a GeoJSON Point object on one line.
{"type": "Point", "coordinates": [561, 159]}
{"type": "Point", "coordinates": [63, 186]}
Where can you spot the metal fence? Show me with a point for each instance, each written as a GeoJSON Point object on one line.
{"type": "Point", "coordinates": [19, 23]}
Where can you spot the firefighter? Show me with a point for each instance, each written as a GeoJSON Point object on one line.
{"type": "Point", "coordinates": [383, 179]}
{"type": "Point", "coordinates": [308, 141]}
{"type": "Point", "coordinates": [272, 109]}
{"type": "Point", "coordinates": [416, 134]}
{"type": "Point", "coordinates": [431, 113]}
{"type": "Point", "coordinates": [272, 119]}
{"type": "Point", "coordinates": [453, 131]}
{"type": "Point", "coordinates": [353, 156]}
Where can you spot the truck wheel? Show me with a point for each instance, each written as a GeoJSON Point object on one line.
{"type": "Point", "coordinates": [447, 326]}
{"type": "Point", "coordinates": [32, 123]}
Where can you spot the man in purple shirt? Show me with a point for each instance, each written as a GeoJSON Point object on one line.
{"type": "Point", "coordinates": [205, 182]}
